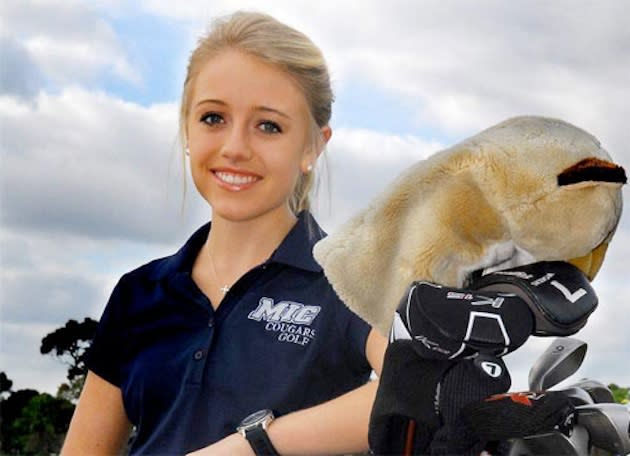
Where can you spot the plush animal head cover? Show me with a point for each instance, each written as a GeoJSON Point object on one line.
{"type": "Point", "coordinates": [529, 189]}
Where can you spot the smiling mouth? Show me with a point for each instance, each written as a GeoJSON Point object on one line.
{"type": "Point", "coordinates": [235, 181]}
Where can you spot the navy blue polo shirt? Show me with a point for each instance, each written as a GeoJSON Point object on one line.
{"type": "Point", "coordinates": [281, 339]}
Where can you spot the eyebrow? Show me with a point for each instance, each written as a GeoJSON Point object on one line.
{"type": "Point", "coordinates": [256, 108]}
{"type": "Point", "coordinates": [268, 109]}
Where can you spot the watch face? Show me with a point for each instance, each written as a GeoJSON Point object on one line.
{"type": "Point", "coordinates": [256, 418]}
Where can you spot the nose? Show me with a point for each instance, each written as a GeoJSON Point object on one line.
{"type": "Point", "coordinates": [236, 146]}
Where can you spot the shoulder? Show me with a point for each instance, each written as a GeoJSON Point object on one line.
{"type": "Point", "coordinates": [132, 286]}
{"type": "Point", "coordinates": [167, 266]}
{"type": "Point", "coordinates": [151, 271]}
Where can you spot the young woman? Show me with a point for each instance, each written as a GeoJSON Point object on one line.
{"type": "Point", "coordinates": [241, 319]}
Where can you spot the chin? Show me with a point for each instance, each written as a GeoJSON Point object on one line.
{"type": "Point", "coordinates": [248, 212]}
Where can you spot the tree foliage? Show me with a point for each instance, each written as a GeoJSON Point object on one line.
{"type": "Point", "coordinates": [11, 409]}
{"type": "Point", "coordinates": [71, 390]}
{"type": "Point", "coordinates": [621, 395]}
{"type": "Point", "coordinates": [5, 383]}
{"type": "Point", "coordinates": [40, 426]}
{"type": "Point", "coordinates": [69, 343]}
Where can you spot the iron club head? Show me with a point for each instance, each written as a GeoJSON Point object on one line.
{"type": "Point", "coordinates": [608, 426]}
{"type": "Point", "coordinates": [597, 390]}
{"type": "Point", "coordinates": [577, 395]}
{"type": "Point", "coordinates": [555, 443]}
{"type": "Point", "coordinates": [561, 359]}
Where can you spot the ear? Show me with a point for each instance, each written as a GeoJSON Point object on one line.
{"type": "Point", "coordinates": [326, 135]}
{"type": "Point", "coordinates": [312, 153]}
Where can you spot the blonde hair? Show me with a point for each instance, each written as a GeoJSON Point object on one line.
{"type": "Point", "coordinates": [275, 43]}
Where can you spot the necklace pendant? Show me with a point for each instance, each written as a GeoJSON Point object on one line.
{"type": "Point", "coordinates": [225, 289]}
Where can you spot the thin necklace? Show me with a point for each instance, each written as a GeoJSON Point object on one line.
{"type": "Point", "coordinates": [225, 288]}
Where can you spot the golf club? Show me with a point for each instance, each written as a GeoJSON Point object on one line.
{"type": "Point", "coordinates": [554, 443]}
{"type": "Point", "coordinates": [597, 390]}
{"type": "Point", "coordinates": [600, 426]}
{"type": "Point", "coordinates": [577, 395]}
{"type": "Point", "coordinates": [561, 359]}
{"type": "Point", "coordinates": [608, 426]}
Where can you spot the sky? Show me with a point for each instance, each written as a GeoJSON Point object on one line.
{"type": "Point", "coordinates": [91, 173]}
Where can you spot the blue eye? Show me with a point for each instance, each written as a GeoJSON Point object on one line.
{"type": "Point", "coordinates": [268, 126]}
{"type": "Point", "coordinates": [212, 118]}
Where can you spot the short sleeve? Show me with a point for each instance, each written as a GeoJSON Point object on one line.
{"type": "Point", "coordinates": [104, 355]}
{"type": "Point", "coordinates": [354, 332]}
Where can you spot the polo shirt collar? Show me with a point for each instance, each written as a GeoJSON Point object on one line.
{"type": "Point", "coordinates": [297, 247]}
{"type": "Point", "coordinates": [295, 250]}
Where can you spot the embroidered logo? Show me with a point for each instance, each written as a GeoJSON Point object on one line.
{"type": "Point", "coordinates": [291, 320]}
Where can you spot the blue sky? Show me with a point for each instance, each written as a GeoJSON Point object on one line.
{"type": "Point", "coordinates": [148, 40]}
{"type": "Point", "coordinates": [91, 182]}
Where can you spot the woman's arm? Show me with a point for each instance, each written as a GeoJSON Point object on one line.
{"type": "Point", "coordinates": [338, 426]}
{"type": "Point", "coordinates": [375, 348]}
{"type": "Point", "coordinates": [99, 425]}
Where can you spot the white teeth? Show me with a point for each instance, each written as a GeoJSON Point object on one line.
{"type": "Point", "coordinates": [235, 179]}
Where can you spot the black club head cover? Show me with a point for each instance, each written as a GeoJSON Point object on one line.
{"type": "Point", "coordinates": [467, 382]}
{"type": "Point", "coordinates": [404, 416]}
{"type": "Point", "coordinates": [515, 415]}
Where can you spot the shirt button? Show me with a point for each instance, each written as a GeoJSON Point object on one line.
{"type": "Point", "coordinates": [211, 323]}
{"type": "Point", "coordinates": [198, 355]}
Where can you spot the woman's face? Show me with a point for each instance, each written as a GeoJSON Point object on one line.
{"type": "Point", "coordinates": [248, 136]}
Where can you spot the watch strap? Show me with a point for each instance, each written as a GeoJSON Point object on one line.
{"type": "Point", "coordinates": [260, 442]}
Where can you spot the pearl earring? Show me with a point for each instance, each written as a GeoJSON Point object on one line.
{"type": "Point", "coordinates": [187, 150]}
{"type": "Point", "coordinates": [309, 168]}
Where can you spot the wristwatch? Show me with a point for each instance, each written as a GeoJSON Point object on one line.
{"type": "Point", "coordinates": [254, 429]}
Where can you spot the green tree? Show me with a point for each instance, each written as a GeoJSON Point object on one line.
{"type": "Point", "coordinates": [42, 424]}
{"type": "Point", "coordinates": [621, 395]}
{"type": "Point", "coordinates": [71, 390]}
{"type": "Point", "coordinates": [11, 409]}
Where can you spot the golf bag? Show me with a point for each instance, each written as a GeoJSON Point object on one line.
{"type": "Point", "coordinates": [445, 355]}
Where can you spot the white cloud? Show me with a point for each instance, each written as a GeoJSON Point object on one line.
{"type": "Point", "coordinates": [468, 65]}
{"type": "Point", "coordinates": [66, 61]}
{"type": "Point", "coordinates": [19, 74]}
{"type": "Point", "coordinates": [194, 10]}
{"type": "Point", "coordinates": [370, 147]}
{"type": "Point", "coordinates": [39, 296]}
{"type": "Point", "coordinates": [22, 362]}
{"type": "Point", "coordinates": [89, 164]}
{"type": "Point", "coordinates": [360, 165]}
{"type": "Point", "coordinates": [68, 41]}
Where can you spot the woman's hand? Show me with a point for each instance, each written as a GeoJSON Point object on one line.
{"type": "Point", "coordinates": [233, 444]}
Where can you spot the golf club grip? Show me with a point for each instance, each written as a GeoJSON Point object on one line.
{"type": "Point", "coordinates": [411, 431]}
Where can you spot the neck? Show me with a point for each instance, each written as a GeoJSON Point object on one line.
{"type": "Point", "coordinates": [237, 246]}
